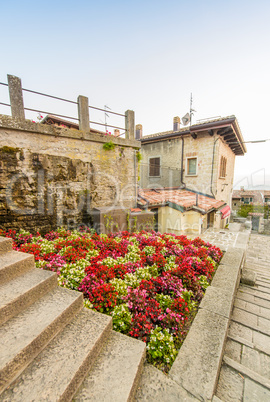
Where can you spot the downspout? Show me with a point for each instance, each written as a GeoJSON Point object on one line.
{"type": "Point", "coordinates": [182, 163]}
{"type": "Point", "coordinates": [212, 173]}
{"type": "Point", "coordinates": [135, 178]}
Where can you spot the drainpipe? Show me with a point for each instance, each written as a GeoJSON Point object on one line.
{"type": "Point", "coordinates": [135, 179]}
{"type": "Point", "coordinates": [212, 173]}
{"type": "Point", "coordinates": [182, 163]}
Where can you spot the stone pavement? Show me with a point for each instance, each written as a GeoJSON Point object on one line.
{"type": "Point", "coordinates": [224, 238]}
{"type": "Point", "coordinates": [245, 370]}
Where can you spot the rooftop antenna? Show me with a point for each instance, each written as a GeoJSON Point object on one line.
{"type": "Point", "coordinates": [188, 116]}
{"type": "Point", "coordinates": [191, 111]}
{"type": "Point", "coordinates": [106, 115]}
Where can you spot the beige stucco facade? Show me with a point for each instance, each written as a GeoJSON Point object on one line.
{"type": "Point", "coordinates": [171, 220]}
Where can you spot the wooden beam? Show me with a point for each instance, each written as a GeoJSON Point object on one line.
{"type": "Point", "coordinates": [223, 130]}
{"type": "Point", "coordinates": [229, 136]}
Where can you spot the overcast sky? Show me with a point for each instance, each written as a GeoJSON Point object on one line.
{"type": "Point", "coordinates": [148, 56]}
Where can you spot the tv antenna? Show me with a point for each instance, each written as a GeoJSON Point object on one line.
{"type": "Point", "coordinates": [191, 110]}
{"type": "Point", "coordinates": [188, 116]}
{"type": "Point", "coordinates": [106, 115]}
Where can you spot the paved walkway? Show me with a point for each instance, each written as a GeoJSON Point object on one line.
{"type": "Point", "coordinates": [223, 238]}
{"type": "Point", "coordinates": [245, 371]}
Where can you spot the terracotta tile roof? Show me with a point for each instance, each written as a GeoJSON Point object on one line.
{"type": "Point", "coordinates": [257, 195]}
{"type": "Point", "coordinates": [235, 141]}
{"type": "Point", "coordinates": [54, 120]}
{"type": "Point", "coordinates": [183, 198]}
{"type": "Point", "coordinates": [135, 210]}
{"type": "Point", "coordinates": [186, 128]}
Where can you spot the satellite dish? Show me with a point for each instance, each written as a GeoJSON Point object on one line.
{"type": "Point", "coordinates": [186, 119]}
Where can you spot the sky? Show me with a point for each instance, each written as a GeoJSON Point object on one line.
{"type": "Point", "coordinates": [147, 56]}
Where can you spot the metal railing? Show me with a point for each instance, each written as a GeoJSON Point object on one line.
{"type": "Point", "coordinates": [17, 109]}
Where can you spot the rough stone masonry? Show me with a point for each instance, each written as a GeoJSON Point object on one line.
{"type": "Point", "coordinates": [52, 176]}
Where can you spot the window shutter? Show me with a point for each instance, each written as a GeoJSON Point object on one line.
{"type": "Point", "coordinates": [154, 167]}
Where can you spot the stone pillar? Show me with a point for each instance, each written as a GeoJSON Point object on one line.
{"type": "Point", "coordinates": [138, 135]}
{"type": "Point", "coordinates": [83, 112]}
{"type": "Point", "coordinates": [130, 125]}
{"type": "Point", "coordinates": [16, 97]}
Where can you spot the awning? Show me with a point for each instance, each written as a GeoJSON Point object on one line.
{"type": "Point", "coordinates": [226, 211]}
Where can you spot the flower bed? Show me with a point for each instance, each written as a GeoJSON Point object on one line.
{"type": "Point", "coordinates": [150, 283]}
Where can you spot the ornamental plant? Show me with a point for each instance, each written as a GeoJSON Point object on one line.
{"type": "Point", "coordinates": [149, 283]}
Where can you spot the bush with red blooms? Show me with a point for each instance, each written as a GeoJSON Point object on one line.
{"type": "Point", "coordinates": [150, 283]}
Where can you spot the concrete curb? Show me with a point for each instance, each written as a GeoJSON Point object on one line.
{"type": "Point", "coordinates": [197, 365]}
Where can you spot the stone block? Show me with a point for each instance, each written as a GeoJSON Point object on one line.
{"type": "Point", "coordinates": [83, 111]}
{"type": "Point", "coordinates": [218, 301]}
{"type": "Point", "coordinates": [233, 350]}
{"type": "Point", "coordinates": [233, 256]}
{"type": "Point", "coordinates": [230, 386]}
{"type": "Point", "coordinates": [255, 392]}
{"type": "Point", "coordinates": [242, 240]}
{"type": "Point", "coordinates": [256, 361]}
{"type": "Point", "coordinates": [245, 318]}
{"type": "Point", "coordinates": [238, 330]}
{"type": "Point", "coordinates": [154, 385]}
{"type": "Point", "coordinates": [197, 365]}
{"type": "Point", "coordinates": [16, 97]}
{"type": "Point", "coordinates": [248, 277]}
{"type": "Point", "coordinates": [227, 277]}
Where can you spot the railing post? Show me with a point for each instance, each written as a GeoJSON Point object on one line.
{"type": "Point", "coordinates": [130, 124]}
{"type": "Point", "coordinates": [16, 97]}
{"type": "Point", "coordinates": [83, 112]}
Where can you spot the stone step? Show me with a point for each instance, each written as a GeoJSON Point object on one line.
{"type": "Point", "coordinates": [115, 374]}
{"type": "Point", "coordinates": [14, 263]}
{"type": "Point", "coordinates": [59, 369]}
{"type": "Point", "coordinates": [5, 245]}
{"type": "Point", "coordinates": [156, 386]}
{"type": "Point", "coordinates": [24, 336]}
{"type": "Point", "coordinates": [19, 293]}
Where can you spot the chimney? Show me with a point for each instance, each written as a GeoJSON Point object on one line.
{"type": "Point", "coordinates": [176, 123]}
{"type": "Point", "coordinates": [116, 132]}
{"type": "Point", "coordinates": [138, 134]}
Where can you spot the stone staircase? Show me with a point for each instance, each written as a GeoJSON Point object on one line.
{"type": "Point", "coordinates": [53, 349]}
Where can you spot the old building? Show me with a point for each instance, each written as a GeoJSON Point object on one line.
{"type": "Point", "coordinates": [247, 196]}
{"type": "Point", "coordinates": [181, 212]}
{"type": "Point", "coordinates": [199, 159]}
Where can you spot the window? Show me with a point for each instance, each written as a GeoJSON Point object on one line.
{"type": "Point", "coordinates": [223, 164]}
{"type": "Point", "coordinates": [192, 166]}
{"type": "Point", "coordinates": [246, 200]}
{"type": "Point", "coordinates": [154, 167]}
{"type": "Point", "coordinates": [266, 199]}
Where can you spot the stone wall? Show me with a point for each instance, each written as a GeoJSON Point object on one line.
{"type": "Point", "coordinates": [52, 176]}
{"type": "Point", "coordinates": [170, 153]}
{"type": "Point", "coordinates": [224, 186]}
